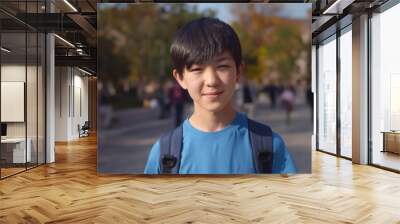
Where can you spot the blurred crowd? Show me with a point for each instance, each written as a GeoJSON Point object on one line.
{"type": "Point", "coordinates": [172, 101]}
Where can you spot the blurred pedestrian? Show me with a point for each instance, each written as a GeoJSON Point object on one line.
{"type": "Point", "coordinates": [287, 100]}
{"type": "Point", "coordinates": [177, 99]}
{"type": "Point", "coordinates": [248, 99]}
{"type": "Point", "coordinates": [244, 97]}
{"type": "Point", "coordinates": [164, 100]}
{"type": "Point", "coordinates": [272, 91]}
{"type": "Point", "coordinates": [105, 106]}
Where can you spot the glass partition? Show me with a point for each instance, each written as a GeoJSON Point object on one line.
{"type": "Point", "coordinates": [346, 92]}
{"type": "Point", "coordinates": [385, 89]}
{"type": "Point", "coordinates": [13, 108]}
{"type": "Point", "coordinates": [22, 91]}
{"type": "Point", "coordinates": [327, 95]}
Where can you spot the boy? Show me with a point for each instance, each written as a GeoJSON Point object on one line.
{"type": "Point", "coordinates": [207, 59]}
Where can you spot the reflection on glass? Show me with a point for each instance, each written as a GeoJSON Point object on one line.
{"type": "Point", "coordinates": [23, 91]}
{"type": "Point", "coordinates": [327, 96]}
{"type": "Point", "coordinates": [346, 94]}
{"type": "Point", "coordinates": [385, 88]}
{"type": "Point", "coordinates": [14, 152]}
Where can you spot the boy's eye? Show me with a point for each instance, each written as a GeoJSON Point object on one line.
{"type": "Point", "coordinates": [224, 66]}
{"type": "Point", "coordinates": [195, 69]}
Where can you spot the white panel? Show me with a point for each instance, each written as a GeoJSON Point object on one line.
{"type": "Point", "coordinates": [395, 102]}
{"type": "Point", "coordinates": [77, 112]}
{"type": "Point", "coordinates": [15, 73]}
{"type": "Point", "coordinates": [12, 101]}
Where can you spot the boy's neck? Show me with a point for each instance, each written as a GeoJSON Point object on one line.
{"type": "Point", "coordinates": [212, 121]}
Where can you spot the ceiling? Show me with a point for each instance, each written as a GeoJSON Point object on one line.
{"type": "Point", "coordinates": [76, 22]}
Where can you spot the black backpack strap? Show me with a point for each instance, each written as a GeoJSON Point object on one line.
{"type": "Point", "coordinates": [261, 144]}
{"type": "Point", "coordinates": [170, 151]}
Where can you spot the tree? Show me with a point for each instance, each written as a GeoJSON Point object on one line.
{"type": "Point", "coordinates": [270, 43]}
{"type": "Point", "coordinates": [145, 37]}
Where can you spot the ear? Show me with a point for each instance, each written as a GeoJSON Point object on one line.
{"type": "Point", "coordinates": [179, 78]}
{"type": "Point", "coordinates": [240, 72]}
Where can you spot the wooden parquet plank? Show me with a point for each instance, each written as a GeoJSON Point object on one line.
{"type": "Point", "coordinates": [71, 191]}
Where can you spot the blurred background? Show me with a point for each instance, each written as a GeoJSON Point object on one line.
{"type": "Point", "coordinates": [139, 99]}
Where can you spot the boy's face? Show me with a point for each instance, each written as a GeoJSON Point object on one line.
{"type": "Point", "coordinates": [211, 85]}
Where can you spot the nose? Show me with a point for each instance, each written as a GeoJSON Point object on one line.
{"type": "Point", "coordinates": [211, 77]}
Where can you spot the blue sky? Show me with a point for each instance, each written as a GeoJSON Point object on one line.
{"type": "Point", "coordinates": [289, 10]}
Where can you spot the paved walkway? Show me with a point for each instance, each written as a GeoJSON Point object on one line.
{"type": "Point", "coordinates": [126, 144]}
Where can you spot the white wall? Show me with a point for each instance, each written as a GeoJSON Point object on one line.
{"type": "Point", "coordinates": [33, 105]}
{"type": "Point", "coordinates": [62, 81]}
{"type": "Point", "coordinates": [71, 94]}
{"type": "Point", "coordinates": [12, 73]}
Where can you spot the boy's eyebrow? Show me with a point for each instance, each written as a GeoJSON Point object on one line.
{"type": "Point", "coordinates": [222, 58]}
{"type": "Point", "coordinates": [217, 59]}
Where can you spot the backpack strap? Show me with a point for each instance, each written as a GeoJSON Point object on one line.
{"type": "Point", "coordinates": [261, 145]}
{"type": "Point", "coordinates": [170, 151]}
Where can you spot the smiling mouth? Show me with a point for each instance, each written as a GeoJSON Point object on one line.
{"type": "Point", "coordinates": [213, 93]}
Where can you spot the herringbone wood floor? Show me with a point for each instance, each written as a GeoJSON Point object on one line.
{"type": "Point", "coordinates": [70, 191]}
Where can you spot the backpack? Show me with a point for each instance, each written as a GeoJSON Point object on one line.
{"type": "Point", "coordinates": [260, 139]}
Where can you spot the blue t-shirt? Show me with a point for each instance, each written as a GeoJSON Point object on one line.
{"type": "Point", "coordinates": [227, 151]}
